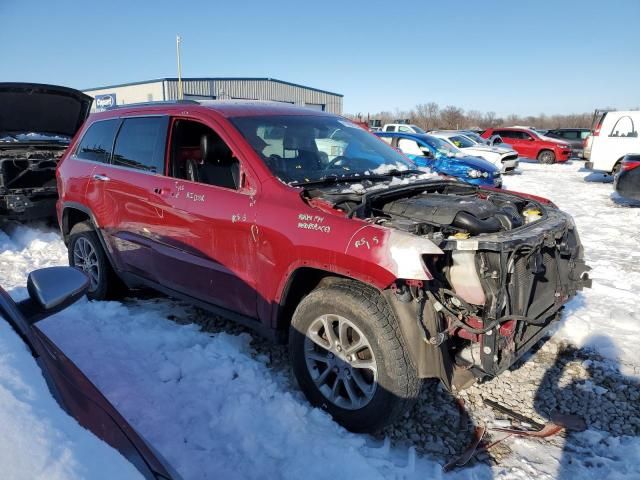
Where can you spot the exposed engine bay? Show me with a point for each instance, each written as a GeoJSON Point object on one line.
{"type": "Point", "coordinates": [28, 183]}
{"type": "Point", "coordinates": [510, 263]}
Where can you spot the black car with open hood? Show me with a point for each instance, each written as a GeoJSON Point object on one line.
{"type": "Point", "coordinates": [37, 122]}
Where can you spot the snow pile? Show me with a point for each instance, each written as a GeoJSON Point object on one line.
{"type": "Point", "coordinates": [28, 249]}
{"type": "Point", "coordinates": [206, 403]}
{"type": "Point", "coordinates": [38, 439]}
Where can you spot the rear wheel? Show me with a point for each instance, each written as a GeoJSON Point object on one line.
{"type": "Point", "coordinates": [547, 157]}
{"type": "Point", "coordinates": [86, 254]}
{"type": "Point", "coordinates": [349, 357]}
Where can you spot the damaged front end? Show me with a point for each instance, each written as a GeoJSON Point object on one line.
{"type": "Point", "coordinates": [27, 183]}
{"type": "Point", "coordinates": [509, 264]}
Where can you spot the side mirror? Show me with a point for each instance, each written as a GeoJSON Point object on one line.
{"type": "Point", "coordinates": [426, 153]}
{"type": "Point", "coordinates": [51, 290]}
{"type": "Point", "coordinates": [531, 139]}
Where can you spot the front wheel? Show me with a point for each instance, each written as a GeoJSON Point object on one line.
{"type": "Point", "coordinates": [349, 357]}
{"type": "Point", "coordinates": [547, 157]}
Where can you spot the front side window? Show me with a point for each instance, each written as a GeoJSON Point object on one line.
{"type": "Point", "coordinates": [198, 154]}
{"type": "Point", "coordinates": [140, 144]}
{"type": "Point", "coordinates": [525, 135]}
{"type": "Point", "coordinates": [309, 148]}
{"type": "Point", "coordinates": [390, 128]}
{"type": "Point", "coordinates": [408, 146]}
{"type": "Point", "coordinates": [97, 142]}
{"type": "Point", "coordinates": [405, 129]}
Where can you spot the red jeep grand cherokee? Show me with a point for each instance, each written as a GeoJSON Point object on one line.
{"type": "Point", "coordinates": [307, 227]}
{"type": "Point", "coordinates": [529, 143]}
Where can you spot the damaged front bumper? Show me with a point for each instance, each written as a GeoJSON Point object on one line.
{"type": "Point", "coordinates": [526, 276]}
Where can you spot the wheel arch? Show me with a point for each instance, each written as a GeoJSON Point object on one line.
{"type": "Point", "coordinates": [72, 214]}
{"type": "Point", "coordinates": [616, 164]}
{"type": "Point", "coordinates": [302, 281]}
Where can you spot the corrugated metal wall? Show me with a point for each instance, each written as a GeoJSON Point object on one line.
{"type": "Point", "coordinates": [255, 90]}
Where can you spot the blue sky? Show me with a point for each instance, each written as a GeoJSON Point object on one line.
{"type": "Point", "coordinates": [506, 56]}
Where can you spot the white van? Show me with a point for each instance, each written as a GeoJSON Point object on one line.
{"type": "Point", "coordinates": [402, 128]}
{"type": "Point", "coordinates": [614, 136]}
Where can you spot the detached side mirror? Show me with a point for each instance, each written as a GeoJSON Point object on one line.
{"type": "Point", "coordinates": [51, 290]}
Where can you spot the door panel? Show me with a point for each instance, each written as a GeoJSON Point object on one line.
{"type": "Point", "coordinates": [132, 213]}
{"type": "Point", "coordinates": [208, 236]}
{"type": "Point", "coordinates": [208, 244]}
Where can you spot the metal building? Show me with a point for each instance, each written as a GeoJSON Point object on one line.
{"type": "Point", "coordinates": [216, 88]}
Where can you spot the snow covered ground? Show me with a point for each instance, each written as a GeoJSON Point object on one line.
{"type": "Point", "coordinates": [215, 408]}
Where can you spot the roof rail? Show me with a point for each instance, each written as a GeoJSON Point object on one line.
{"type": "Point", "coordinates": [150, 104]}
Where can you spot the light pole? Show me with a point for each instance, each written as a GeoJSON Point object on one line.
{"type": "Point", "coordinates": [178, 40]}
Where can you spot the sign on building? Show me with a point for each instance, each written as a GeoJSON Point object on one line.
{"type": "Point", "coordinates": [105, 101]}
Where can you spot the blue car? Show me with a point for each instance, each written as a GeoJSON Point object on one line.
{"type": "Point", "coordinates": [443, 158]}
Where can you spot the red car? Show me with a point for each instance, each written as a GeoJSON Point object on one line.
{"type": "Point", "coordinates": [308, 228]}
{"type": "Point", "coordinates": [529, 143]}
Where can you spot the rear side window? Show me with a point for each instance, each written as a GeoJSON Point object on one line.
{"type": "Point", "coordinates": [389, 128]}
{"type": "Point", "coordinates": [97, 141]}
{"type": "Point", "coordinates": [140, 144]}
{"type": "Point", "coordinates": [569, 134]}
{"type": "Point", "coordinates": [506, 133]}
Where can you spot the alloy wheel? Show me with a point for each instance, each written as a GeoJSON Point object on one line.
{"type": "Point", "coordinates": [85, 258]}
{"type": "Point", "coordinates": [340, 360]}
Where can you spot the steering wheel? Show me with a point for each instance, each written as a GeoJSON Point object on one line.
{"type": "Point", "coordinates": [333, 162]}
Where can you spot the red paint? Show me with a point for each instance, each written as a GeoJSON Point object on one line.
{"type": "Point", "coordinates": [237, 249]}
{"type": "Point", "coordinates": [507, 328]}
{"type": "Point", "coordinates": [532, 148]}
{"type": "Point", "coordinates": [473, 322]}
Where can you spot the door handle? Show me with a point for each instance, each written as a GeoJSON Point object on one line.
{"type": "Point", "coordinates": [162, 191]}
{"type": "Point", "coordinates": [102, 178]}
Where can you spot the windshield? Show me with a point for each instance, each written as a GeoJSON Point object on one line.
{"type": "Point", "coordinates": [417, 129]}
{"type": "Point", "coordinates": [7, 137]}
{"type": "Point", "coordinates": [305, 149]}
{"type": "Point", "coordinates": [461, 141]}
{"type": "Point", "coordinates": [441, 146]}
{"type": "Point", "coordinates": [474, 137]}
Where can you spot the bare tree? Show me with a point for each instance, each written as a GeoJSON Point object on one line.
{"type": "Point", "coordinates": [429, 116]}
{"type": "Point", "coordinates": [426, 115]}
{"type": "Point", "coordinates": [452, 117]}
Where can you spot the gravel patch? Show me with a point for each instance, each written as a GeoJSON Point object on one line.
{"type": "Point", "coordinates": [554, 377]}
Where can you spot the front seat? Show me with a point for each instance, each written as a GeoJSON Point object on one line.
{"type": "Point", "coordinates": [307, 158]}
{"type": "Point", "coordinates": [219, 166]}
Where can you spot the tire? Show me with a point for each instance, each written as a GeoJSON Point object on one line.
{"type": "Point", "coordinates": [104, 282]}
{"type": "Point", "coordinates": [547, 157]}
{"type": "Point", "coordinates": [616, 168]}
{"type": "Point", "coordinates": [391, 387]}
